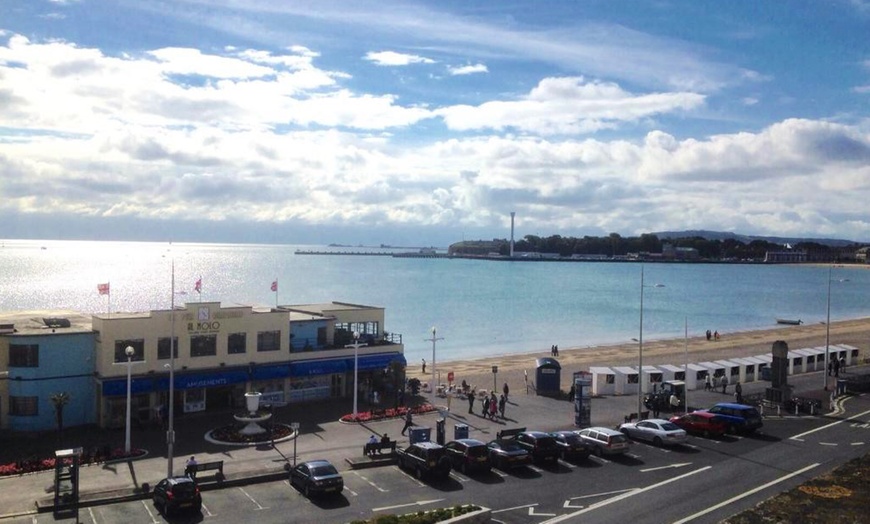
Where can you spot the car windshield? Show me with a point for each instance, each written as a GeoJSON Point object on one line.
{"type": "Point", "coordinates": [618, 438]}
{"type": "Point", "coordinates": [322, 470]}
{"type": "Point", "coordinates": [184, 488]}
{"type": "Point", "coordinates": [669, 426]}
{"type": "Point", "coordinates": [510, 446]}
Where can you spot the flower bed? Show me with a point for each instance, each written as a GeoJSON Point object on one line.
{"type": "Point", "coordinates": [33, 465]}
{"type": "Point", "coordinates": [231, 434]}
{"type": "Point", "coordinates": [385, 414]}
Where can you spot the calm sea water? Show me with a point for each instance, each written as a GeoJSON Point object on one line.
{"type": "Point", "coordinates": [480, 308]}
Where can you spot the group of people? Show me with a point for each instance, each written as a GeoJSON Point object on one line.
{"type": "Point", "coordinates": [712, 383]}
{"type": "Point", "coordinates": [554, 350]}
{"type": "Point", "coordinates": [834, 366]}
{"type": "Point", "coordinates": [374, 440]}
{"type": "Point", "coordinates": [712, 335]}
{"type": "Point", "coordinates": [491, 407]}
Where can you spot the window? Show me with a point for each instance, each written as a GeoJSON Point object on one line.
{"type": "Point", "coordinates": [609, 379]}
{"type": "Point", "coordinates": [268, 341]}
{"type": "Point", "coordinates": [138, 346]}
{"type": "Point", "coordinates": [321, 336]}
{"type": "Point", "coordinates": [203, 346]}
{"type": "Point", "coordinates": [237, 343]}
{"type": "Point", "coordinates": [24, 406]}
{"type": "Point", "coordinates": [24, 355]}
{"type": "Point", "coordinates": [164, 345]}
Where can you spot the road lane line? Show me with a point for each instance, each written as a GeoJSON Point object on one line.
{"type": "Point", "coordinates": [805, 433]}
{"type": "Point", "coordinates": [90, 512]}
{"type": "Point", "coordinates": [207, 512]}
{"type": "Point", "coordinates": [624, 496]}
{"type": "Point", "coordinates": [743, 495]}
{"type": "Point", "coordinates": [418, 503]}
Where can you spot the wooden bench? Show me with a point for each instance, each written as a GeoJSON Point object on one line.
{"type": "Point", "coordinates": [216, 466]}
{"type": "Point", "coordinates": [370, 448]}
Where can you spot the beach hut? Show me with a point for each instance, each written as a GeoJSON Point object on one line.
{"type": "Point", "coordinates": [625, 380]}
{"type": "Point", "coordinates": [748, 368]}
{"type": "Point", "coordinates": [847, 352]}
{"type": "Point", "coordinates": [732, 371]}
{"type": "Point", "coordinates": [795, 362]}
{"type": "Point", "coordinates": [603, 381]}
{"type": "Point", "coordinates": [763, 370]}
{"type": "Point", "coordinates": [695, 378]}
{"type": "Point", "coordinates": [671, 372]}
{"type": "Point", "coordinates": [811, 358]}
{"type": "Point", "coordinates": [715, 370]}
{"type": "Point", "coordinates": [548, 376]}
{"type": "Point", "coordinates": [652, 378]}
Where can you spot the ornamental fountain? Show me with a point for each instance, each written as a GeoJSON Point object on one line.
{"type": "Point", "coordinates": [252, 433]}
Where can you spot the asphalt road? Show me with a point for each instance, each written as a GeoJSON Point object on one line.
{"type": "Point", "coordinates": [706, 480]}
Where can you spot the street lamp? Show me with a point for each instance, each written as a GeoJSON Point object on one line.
{"type": "Point", "coordinates": [129, 351]}
{"type": "Point", "coordinates": [170, 431]}
{"type": "Point", "coordinates": [640, 347]}
{"type": "Point", "coordinates": [828, 326]}
{"type": "Point", "coordinates": [433, 340]}
{"type": "Point", "coordinates": [356, 345]}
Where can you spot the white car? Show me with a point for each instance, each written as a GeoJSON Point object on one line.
{"type": "Point", "coordinates": [658, 431]}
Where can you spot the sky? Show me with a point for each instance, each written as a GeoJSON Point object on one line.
{"type": "Point", "coordinates": [423, 123]}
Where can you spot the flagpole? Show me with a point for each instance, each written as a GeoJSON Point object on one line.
{"type": "Point", "coordinates": [276, 292]}
{"type": "Point", "coordinates": [109, 299]}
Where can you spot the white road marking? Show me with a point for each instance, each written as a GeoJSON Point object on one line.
{"type": "Point", "coordinates": [750, 492]}
{"type": "Point", "coordinates": [90, 512]}
{"type": "Point", "coordinates": [533, 514]}
{"type": "Point", "coordinates": [372, 484]}
{"type": "Point", "coordinates": [536, 469]}
{"type": "Point", "coordinates": [857, 443]}
{"type": "Point", "coordinates": [501, 474]}
{"type": "Point", "coordinates": [414, 479]}
{"type": "Point", "coordinates": [418, 503]}
{"type": "Point", "coordinates": [568, 504]}
{"type": "Point", "coordinates": [458, 477]}
{"type": "Point", "coordinates": [832, 424]}
{"type": "Point", "coordinates": [259, 507]}
{"type": "Point", "coordinates": [207, 512]}
{"type": "Point", "coordinates": [567, 464]}
{"type": "Point", "coordinates": [624, 496]}
{"type": "Point", "coordinates": [513, 508]}
{"type": "Point", "coordinates": [827, 443]}
{"type": "Point", "coordinates": [666, 467]}
{"type": "Point", "coordinates": [147, 509]}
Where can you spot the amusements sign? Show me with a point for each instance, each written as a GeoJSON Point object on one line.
{"type": "Point", "coordinates": [582, 399]}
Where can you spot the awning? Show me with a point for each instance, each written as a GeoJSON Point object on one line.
{"type": "Point", "coordinates": [309, 368]}
{"type": "Point", "coordinates": [381, 361]}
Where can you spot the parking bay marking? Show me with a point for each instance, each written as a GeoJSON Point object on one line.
{"type": "Point", "coordinates": [259, 507]}
{"type": "Point", "coordinates": [372, 484]}
{"type": "Point", "coordinates": [674, 466]}
{"type": "Point", "coordinates": [153, 518]}
{"type": "Point", "coordinates": [418, 503]}
{"type": "Point", "coordinates": [207, 512]}
{"type": "Point", "coordinates": [568, 504]}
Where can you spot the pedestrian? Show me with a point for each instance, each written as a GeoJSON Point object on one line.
{"type": "Point", "coordinates": [656, 405]}
{"type": "Point", "coordinates": [485, 406]}
{"type": "Point", "coordinates": [709, 335]}
{"type": "Point", "coordinates": [553, 350]}
{"type": "Point", "coordinates": [501, 405]}
{"type": "Point", "coordinates": [190, 468]}
{"type": "Point", "coordinates": [556, 348]}
{"type": "Point", "coordinates": [409, 421]}
{"type": "Point", "coordinates": [836, 367]}
{"type": "Point", "coordinates": [505, 389]}
{"type": "Point", "coordinates": [674, 402]}
{"type": "Point", "coordinates": [832, 400]}
{"type": "Point", "coordinates": [708, 385]}
{"type": "Point", "coordinates": [724, 385]}
{"type": "Point", "coordinates": [843, 364]}
{"type": "Point", "coordinates": [493, 406]}
{"type": "Point", "coordinates": [738, 392]}
{"type": "Point", "coordinates": [471, 401]}
{"type": "Point", "coordinates": [571, 393]}
{"type": "Point", "coordinates": [716, 335]}
{"type": "Point", "coordinates": [373, 440]}
{"type": "Point", "coordinates": [830, 367]}
{"type": "Point", "coordinates": [424, 366]}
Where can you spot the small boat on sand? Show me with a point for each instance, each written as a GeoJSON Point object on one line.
{"type": "Point", "coordinates": [789, 321]}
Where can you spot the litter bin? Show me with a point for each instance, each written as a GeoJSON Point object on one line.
{"type": "Point", "coordinates": [439, 431]}
{"type": "Point", "coordinates": [419, 434]}
{"type": "Point", "coordinates": [460, 431]}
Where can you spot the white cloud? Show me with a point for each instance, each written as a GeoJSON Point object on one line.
{"type": "Point", "coordinates": [468, 69]}
{"type": "Point", "coordinates": [391, 58]}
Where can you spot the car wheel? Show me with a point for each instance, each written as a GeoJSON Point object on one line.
{"type": "Point", "coordinates": [307, 492]}
{"type": "Point", "coordinates": [732, 429]}
{"type": "Point", "coordinates": [657, 441]}
{"type": "Point", "coordinates": [597, 451]}
{"type": "Point", "coordinates": [166, 509]}
{"type": "Point", "coordinates": [418, 472]}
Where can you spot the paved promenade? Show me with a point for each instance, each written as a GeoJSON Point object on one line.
{"type": "Point", "coordinates": [320, 436]}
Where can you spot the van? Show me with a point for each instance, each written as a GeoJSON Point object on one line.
{"type": "Point", "coordinates": [739, 418]}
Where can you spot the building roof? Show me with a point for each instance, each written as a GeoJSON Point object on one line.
{"type": "Point", "coordinates": [44, 322]}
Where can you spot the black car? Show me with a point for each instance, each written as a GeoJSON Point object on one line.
{"type": "Point", "coordinates": [316, 477]}
{"type": "Point", "coordinates": [468, 455]}
{"type": "Point", "coordinates": [507, 454]}
{"type": "Point", "coordinates": [572, 446]}
{"type": "Point", "coordinates": [541, 446]}
{"type": "Point", "coordinates": [176, 494]}
{"type": "Point", "coordinates": [425, 459]}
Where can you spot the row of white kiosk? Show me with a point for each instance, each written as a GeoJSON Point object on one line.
{"type": "Point", "coordinates": [623, 380]}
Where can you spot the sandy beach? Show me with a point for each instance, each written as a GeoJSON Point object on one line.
{"type": "Point", "coordinates": [478, 372]}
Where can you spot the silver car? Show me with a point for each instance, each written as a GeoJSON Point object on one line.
{"type": "Point", "coordinates": [604, 441]}
{"type": "Point", "coordinates": [658, 431]}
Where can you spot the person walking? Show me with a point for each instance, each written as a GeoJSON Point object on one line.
{"type": "Point", "coordinates": [505, 389]}
{"type": "Point", "coordinates": [493, 406]}
{"type": "Point", "coordinates": [708, 384]}
{"type": "Point", "coordinates": [674, 402]}
{"type": "Point", "coordinates": [424, 366]}
{"type": "Point", "coordinates": [501, 405]}
{"type": "Point", "coordinates": [738, 393]}
{"type": "Point", "coordinates": [836, 367]}
{"type": "Point", "coordinates": [471, 401]}
{"type": "Point", "coordinates": [409, 421]}
{"type": "Point", "coordinates": [724, 385]}
{"type": "Point", "coordinates": [485, 406]}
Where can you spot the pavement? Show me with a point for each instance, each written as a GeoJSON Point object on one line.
{"type": "Point", "coordinates": [320, 436]}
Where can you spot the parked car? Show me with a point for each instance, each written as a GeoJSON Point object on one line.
{"type": "Point", "coordinates": [702, 423]}
{"type": "Point", "coordinates": [177, 493]}
{"type": "Point", "coordinates": [316, 477]}
{"type": "Point", "coordinates": [541, 446]}
{"type": "Point", "coordinates": [739, 418]}
{"type": "Point", "coordinates": [658, 431]}
{"type": "Point", "coordinates": [425, 459]}
{"type": "Point", "coordinates": [604, 441]}
{"type": "Point", "coordinates": [507, 454]}
{"type": "Point", "coordinates": [468, 455]}
{"type": "Point", "coordinates": [571, 445]}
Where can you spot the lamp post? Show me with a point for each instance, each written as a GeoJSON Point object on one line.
{"type": "Point", "coordinates": [170, 431]}
{"type": "Point", "coordinates": [356, 345]}
{"type": "Point", "coordinates": [433, 340]}
{"type": "Point", "coordinates": [129, 351]}
{"type": "Point", "coordinates": [828, 326]}
{"type": "Point", "coordinates": [640, 347]}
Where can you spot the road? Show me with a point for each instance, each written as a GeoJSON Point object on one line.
{"type": "Point", "coordinates": [704, 481]}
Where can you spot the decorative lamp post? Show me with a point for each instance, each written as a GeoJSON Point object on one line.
{"type": "Point", "coordinates": [433, 340]}
{"type": "Point", "coordinates": [129, 351]}
{"type": "Point", "coordinates": [356, 345]}
{"type": "Point", "coordinates": [640, 347]}
{"type": "Point", "coordinates": [828, 326]}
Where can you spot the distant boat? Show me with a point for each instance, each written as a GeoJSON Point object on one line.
{"type": "Point", "coordinates": [789, 321]}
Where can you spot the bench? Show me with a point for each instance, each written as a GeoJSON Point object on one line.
{"type": "Point", "coordinates": [216, 466]}
{"type": "Point", "coordinates": [370, 448]}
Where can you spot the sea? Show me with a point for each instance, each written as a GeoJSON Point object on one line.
{"type": "Point", "coordinates": [479, 308]}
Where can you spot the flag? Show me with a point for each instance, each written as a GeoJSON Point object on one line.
{"type": "Point", "coordinates": [198, 286]}
{"type": "Point", "coordinates": [275, 286]}
{"type": "Point", "coordinates": [103, 288]}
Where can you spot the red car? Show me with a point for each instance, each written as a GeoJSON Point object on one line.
{"type": "Point", "coordinates": [701, 423]}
